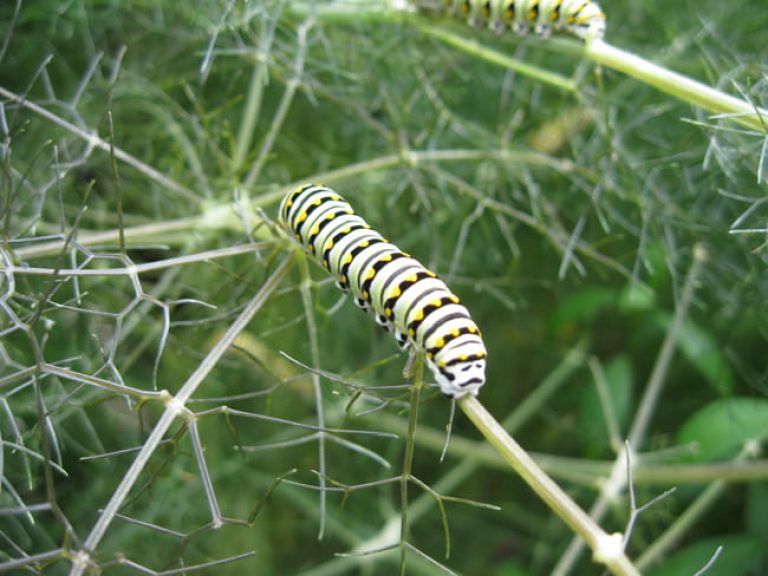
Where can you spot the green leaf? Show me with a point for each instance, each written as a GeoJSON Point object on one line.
{"type": "Point", "coordinates": [637, 298]}
{"type": "Point", "coordinates": [582, 306]}
{"type": "Point", "coordinates": [757, 509]}
{"type": "Point", "coordinates": [511, 568]}
{"type": "Point", "coordinates": [706, 355]}
{"type": "Point", "coordinates": [741, 555]}
{"type": "Point", "coordinates": [721, 429]}
{"type": "Point", "coordinates": [618, 376]}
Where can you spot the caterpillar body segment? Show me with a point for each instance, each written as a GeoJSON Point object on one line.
{"type": "Point", "coordinates": [405, 298]}
{"type": "Point", "coordinates": [582, 18]}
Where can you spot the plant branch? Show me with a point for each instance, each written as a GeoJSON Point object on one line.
{"type": "Point", "coordinates": [607, 548]}
{"type": "Point", "coordinates": [679, 86]}
{"type": "Point", "coordinates": [175, 407]}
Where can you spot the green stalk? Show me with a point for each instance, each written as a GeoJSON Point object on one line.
{"type": "Point", "coordinates": [474, 48]}
{"type": "Point", "coordinates": [410, 448]}
{"type": "Point", "coordinates": [608, 549]}
{"type": "Point", "coordinates": [679, 86]}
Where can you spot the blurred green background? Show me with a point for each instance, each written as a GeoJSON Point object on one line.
{"type": "Point", "coordinates": [565, 219]}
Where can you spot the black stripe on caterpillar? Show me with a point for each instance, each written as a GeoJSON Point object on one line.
{"type": "Point", "coordinates": [583, 18]}
{"type": "Point", "coordinates": [404, 297]}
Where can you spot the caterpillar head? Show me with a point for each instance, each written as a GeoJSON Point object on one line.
{"type": "Point", "coordinates": [590, 24]}
{"type": "Point", "coordinates": [461, 376]}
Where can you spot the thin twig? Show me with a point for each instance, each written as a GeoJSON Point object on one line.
{"type": "Point", "coordinates": [174, 408]}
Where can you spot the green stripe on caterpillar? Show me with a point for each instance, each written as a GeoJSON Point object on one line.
{"type": "Point", "coordinates": [583, 18]}
{"type": "Point", "coordinates": [405, 298]}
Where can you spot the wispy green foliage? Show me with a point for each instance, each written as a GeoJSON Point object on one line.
{"type": "Point", "coordinates": [176, 393]}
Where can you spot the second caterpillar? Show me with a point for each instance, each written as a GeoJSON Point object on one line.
{"type": "Point", "coordinates": [582, 18]}
{"type": "Point", "coordinates": [404, 297]}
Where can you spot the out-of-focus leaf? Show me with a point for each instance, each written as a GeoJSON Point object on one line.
{"type": "Point", "coordinates": [757, 510]}
{"type": "Point", "coordinates": [618, 375]}
{"type": "Point", "coordinates": [721, 428]}
{"type": "Point", "coordinates": [702, 351]}
{"type": "Point", "coordinates": [510, 569]}
{"type": "Point", "coordinates": [636, 298]}
{"type": "Point", "coordinates": [741, 555]}
{"type": "Point", "coordinates": [582, 306]}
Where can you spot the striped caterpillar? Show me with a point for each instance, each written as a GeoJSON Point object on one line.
{"type": "Point", "coordinates": [404, 297]}
{"type": "Point", "coordinates": [583, 18]}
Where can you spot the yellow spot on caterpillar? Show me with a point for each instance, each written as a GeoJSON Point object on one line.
{"type": "Point", "coordinates": [329, 245]}
{"type": "Point", "coordinates": [394, 293]}
{"type": "Point", "coordinates": [412, 278]}
{"type": "Point", "coordinates": [436, 303]}
{"type": "Point", "coordinates": [388, 312]}
{"type": "Point", "coordinates": [463, 357]}
{"type": "Point", "coordinates": [412, 333]}
{"type": "Point", "coordinates": [454, 299]}
{"type": "Point", "coordinates": [418, 316]}
{"type": "Point", "coordinates": [455, 332]}
{"type": "Point", "coordinates": [441, 364]}
{"type": "Point", "coordinates": [301, 218]}
{"type": "Point", "coordinates": [347, 259]}
{"type": "Point", "coordinates": [371, 274]}
{"type": "Point", "coordinates": [439, 343]}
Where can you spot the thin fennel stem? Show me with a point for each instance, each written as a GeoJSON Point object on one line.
{"type": "Point", "coordinates": [410, 448]}
{"type": "Point", "coordinates": [95, 141]}
{"type": "Point", "coordinates": [661, 367]}
{"type": "Point", "coordinates": [175, 407]}
{"type": "Point", "coordinates": [221, 216]}
{"type": "Point", "coordinates": [285, 104]}
{"type": "Point", "coordinates": [677, 85]}
{"type": "Point", "coordinates": [665, 80]}
{"type": "Point", "coordinates": [672, 535]}
{"type": "Point", "coordinates": [617, 480]}
{"type": "Point", "coordinates": [309, 310]}
{"type": "Point", "coordinates": [250, 114]}
{"type": "Point", "coordinates": [474, 48]}
{"type": "Point", "coordinates": [607, 549]}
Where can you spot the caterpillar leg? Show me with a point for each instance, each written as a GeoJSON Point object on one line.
{"type": "Point", "coordinates": [343, 287]}
{"type": "Point", "coordinates": [402, 340]}
{"type": "Point", "coordinates": [362, 304]}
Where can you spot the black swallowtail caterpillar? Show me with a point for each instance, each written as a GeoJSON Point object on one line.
{"type": "Point", "coordinates": [404, 297]}
{"type": "Point", "coordinates": [584, 18]}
